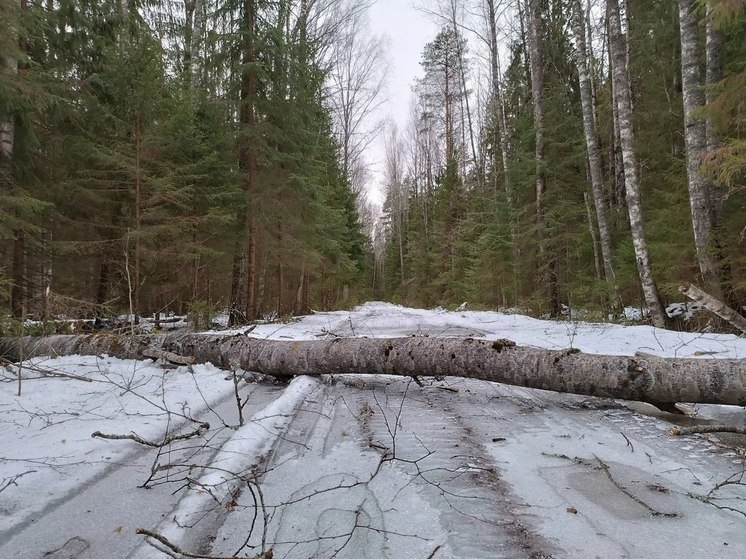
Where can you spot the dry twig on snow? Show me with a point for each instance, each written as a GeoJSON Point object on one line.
{"type": "Point", "coordinates": [677, 431]}
{"type": "Point", "coordinates": [138, 439]}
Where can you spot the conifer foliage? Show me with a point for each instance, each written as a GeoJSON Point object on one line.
{"type": "Point", "coordinates": [158, 156]}
{"type": "Point", "coordinates": [609, 168]}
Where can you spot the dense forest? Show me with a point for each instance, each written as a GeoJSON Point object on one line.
{"type": "Point", "coordinates": [602, 166]}
{"type": "Point", "coordinates": [162, 156]}
{"type": "Point", "coordinates": [202, 155]}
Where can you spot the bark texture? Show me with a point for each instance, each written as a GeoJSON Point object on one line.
{"type": "Point", "coordinates": [535, 38]}
{"type": "Point", "coordinates": [591, 140]}
{"type": "Point", "coordinates": [714, 306]}
{"type": "Point", "coordinates": [641, 378]}
{"type": "Point", "coordinates": [696, 143]}
{"type": "Point", "coordinates": [634, 200]}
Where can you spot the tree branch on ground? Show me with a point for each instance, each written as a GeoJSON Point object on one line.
{"type": "Point", "coordinates": [200, 431]}
{"type": "Point", "coordinates": [642, 378]}
{"type": "Point", "coordinates": [13, 480]}
{"type": "Point", "coordinates": [677, 431]}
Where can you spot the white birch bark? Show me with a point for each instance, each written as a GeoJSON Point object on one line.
{"type": "Point", "coordinates": [714, 305]}
{"type": "Point", "coordinates": [695, 136]}
{"type": "Point", "coordinates": [641, 378]}
{"type": "Point", "coordinates": [714, 70]}
{"type": "Point", "coordinates": [629, 159]}
{"type": "Point", "coordinates": [591, 141]}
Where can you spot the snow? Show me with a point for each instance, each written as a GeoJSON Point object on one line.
{"type": "Point", "coordinates": [383, 320]}
{"type": "Point", "coordinates": [368, 466]}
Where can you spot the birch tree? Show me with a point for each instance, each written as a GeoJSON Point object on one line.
{"type": "Point", "coordinates": [617, 43]}
{"type": "Point", "coordinates": [641, 377]}
{"type": "Point", "coordinates": [592, 144]}
{"type": "Point", "coordinates": [696, 143]}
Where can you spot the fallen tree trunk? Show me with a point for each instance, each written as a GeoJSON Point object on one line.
{"type": "Point", "coordinates": [715, 306]}
{"type": "Point", "coordinates": [643, 377]}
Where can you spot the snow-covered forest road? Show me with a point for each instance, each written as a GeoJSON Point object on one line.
{"type": "Point", "coordinates": [367, 466]}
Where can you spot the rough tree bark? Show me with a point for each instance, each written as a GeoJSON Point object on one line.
{"type": "Point", "coordinates": [244, 258]}
{"type": "Point", "coordinates": [696, 143]}
{"type": "Point", "coordinates": [617, 43]}
{"type": "Point", "coordinates": [718, 193]}
{"type": "Point", "coordinates": [714, 305]}
{"type": "Point", "coordinates": [537, 95]}
{"type": "Point", "coordinates": [641, 378]}
{"type": "Point", "coordinates": [594, 152]}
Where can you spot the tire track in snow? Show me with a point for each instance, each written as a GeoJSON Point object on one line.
{"type": "Point", "coordinates": [202, 510]}
{"type": "Point", "coordinates": [482, 516]}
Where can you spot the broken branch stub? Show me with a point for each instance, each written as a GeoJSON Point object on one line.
{"type": "Point", "coordinates": [715, 306]}
{"type": "Point", "coordinates": [642, 378]}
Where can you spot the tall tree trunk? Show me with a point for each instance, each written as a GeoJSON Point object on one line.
{"type": "Point", "coordinates": [592, 230]}
{"type": "Point", "coordinates": [249, 155]}
{"type": "Point", "coordinates": [616, 160]}
{"type": "Point", "coordinates": [46, 273]}
{"type": "Point", "coordinates": [138, 222]}
{"type": "Point", "coordinates": [594, 153]}
{"type": "Point", "coordinates": [252, 310]}
{"type": "Point", "coordinates": [244, 259]}
{"type": "Point", "coordinates": [501, 138]}
{"type": "Point", "coordinates": [280, 272]}
{"type": "Point", "coordinates": [695, 135]}
{"type": "Point", "coordinates": [195, 43]}
{"type": "Point", "coordinates": [450, 141]}
{"type": "Point", "coordinates": [642, 377]}
{"type": "Point", "coordinates": [713, 74]}
{"type": "Point", "coordinates": [7, 127]}
{"type": "Point", "coordinates": [537, 95]}
{"type": "Point", "coordinates": [634, 201]}
{"type": "Point", "coordinates": [18, 293]}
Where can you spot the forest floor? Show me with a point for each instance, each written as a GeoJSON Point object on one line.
{"type": "Point", "coordinates": [367, 466]}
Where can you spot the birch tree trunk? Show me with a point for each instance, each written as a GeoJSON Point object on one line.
{"type": "Point", "coordinates": [634, 202]}
{"type": "Point", "coordinates": [695, 135]}
{"type": "Point", "coordinates": [642, 377]}
{"type": "Point", "coordinates": [713, 70]}
{"type": "Point", "coordinates": [537, 96]}
{"type": "Point", "coordinates": [715, 306]}
{"type": "Point", "coordinates": [594, 152]}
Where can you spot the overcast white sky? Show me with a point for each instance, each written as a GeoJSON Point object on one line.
{"type": "Point", "coordinates": [408, 31]}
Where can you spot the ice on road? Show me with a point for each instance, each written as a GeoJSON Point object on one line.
{"type": "Point", "coordinates": [367, 466]}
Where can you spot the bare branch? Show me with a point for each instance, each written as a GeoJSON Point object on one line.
{"type": "Point", "coordinates": [168, 440]}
